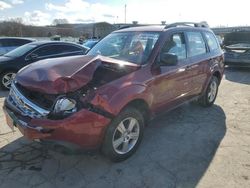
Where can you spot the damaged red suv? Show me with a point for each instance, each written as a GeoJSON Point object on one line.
{"type": "Point", "coordinates": [104, 99]}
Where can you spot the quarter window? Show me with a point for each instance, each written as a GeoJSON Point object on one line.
{"type": "Point", "coordinates": [196, 44]}
{"type": "Point", "coordinates": [211, 41]}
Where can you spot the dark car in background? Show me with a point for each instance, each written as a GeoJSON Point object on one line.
{"type": "Point", "coordinates": [237, 55]}
{"type": "Point", "coordinates": [10, 43]}
{"type": "Point", "coordinates": [13, 61]}
{"type": "Point", "coordinates": [237, 49]}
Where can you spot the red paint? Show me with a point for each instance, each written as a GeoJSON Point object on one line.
{"type": "Point", "coordinates": [161, 88]}
{"type": "Point", "coordinates": [62, 75]}
{"type": "Point", "coordinates": [83, 128]}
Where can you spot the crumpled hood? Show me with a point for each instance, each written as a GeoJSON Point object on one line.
{"type": "Point", "coordinates": [63, 75]}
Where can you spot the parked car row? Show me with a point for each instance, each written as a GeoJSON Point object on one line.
{"type": "Point", "coordinates": [29, 53]}
{"type": "Point", "coordinates": [103, 100]}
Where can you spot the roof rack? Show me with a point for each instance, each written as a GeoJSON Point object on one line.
{"type": "Point", "coordinates": [194, 24]}
{"type": "Point", "coordinates": [125, 27]}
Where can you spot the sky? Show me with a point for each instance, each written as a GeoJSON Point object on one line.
{"type": "Point", "coordinates": [43, 12]}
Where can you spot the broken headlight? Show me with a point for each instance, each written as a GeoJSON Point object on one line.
{"type": "Point", "coordinates": [65, 106]}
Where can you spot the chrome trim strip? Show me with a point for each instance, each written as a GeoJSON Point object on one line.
{"type": "Point", "coordinates": [36, 108]}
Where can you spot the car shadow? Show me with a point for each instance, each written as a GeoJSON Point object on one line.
{"type": "Point", "coordinates": [238, 74]}
{"type": "Point", "coordinates": [176, 151]}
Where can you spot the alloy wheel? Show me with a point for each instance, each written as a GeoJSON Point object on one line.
{"type": "Point", "coordinates": [212, 91]}
{"type": "Point", "coordinates": [126, 135]}
{"type": "Point", "coordinates": [7, 79]}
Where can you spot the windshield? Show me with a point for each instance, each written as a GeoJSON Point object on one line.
{"type": "Point", "coordinates": [134, 47]}
{"type": "Point", "coordinates": [20, 50]}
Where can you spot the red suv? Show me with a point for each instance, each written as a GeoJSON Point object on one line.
{"type": "Point", "coordinates": [105, 99]}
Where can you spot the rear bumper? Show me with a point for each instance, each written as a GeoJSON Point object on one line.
{"type": "Point", "coordinates": [243, 62]}
{"type": "Point", "coordinates": [84, 128]}
{"type": "Point", "coordinates": [237, 63]}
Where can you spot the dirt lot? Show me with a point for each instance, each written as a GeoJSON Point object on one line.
{"type": "Point", "coordinates": [188, 147]}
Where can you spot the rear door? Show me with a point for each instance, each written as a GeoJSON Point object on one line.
{"type": "Point", "coordinates": [199, 61]}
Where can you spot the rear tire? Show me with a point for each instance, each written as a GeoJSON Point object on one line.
{"type": "Point", "coordinates": [123, 135]}
{"type": "Point", "coordinates": [210, 95]}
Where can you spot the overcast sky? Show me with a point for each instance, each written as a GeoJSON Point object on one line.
{"type": "Point", "coordinates": [42, 12]}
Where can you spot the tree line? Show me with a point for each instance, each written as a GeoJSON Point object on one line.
{"type": "Point", "coordinates": [16, 28]}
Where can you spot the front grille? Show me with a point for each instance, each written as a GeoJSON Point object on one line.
{"type": "Point", "coordinates": [17, 99]}
{"type": "Point", "coordinates": [45, 101]}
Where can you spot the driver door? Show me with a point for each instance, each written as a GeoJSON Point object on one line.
{"type": "Point", "coordinates": [172, 83]}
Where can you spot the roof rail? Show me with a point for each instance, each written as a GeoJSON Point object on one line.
{"type": "Point", "coordinates": [194, 24]}
{"type": "Point", "coordinates": [125, 27]}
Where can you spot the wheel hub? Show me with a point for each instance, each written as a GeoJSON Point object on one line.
{"type": "Point", "coordinates": [126, 135]}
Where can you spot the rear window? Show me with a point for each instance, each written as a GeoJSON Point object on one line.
{"type": "Point", "coordinates": [196, 44]}
{"type": "Point", "coordinates": [211, 41]}
{"type": "Point", "coordinates": [13, 42]}
{"type": "Point", "coordinates": [21, 50]}
{"type": "Point", "coordinates": [20, 42]}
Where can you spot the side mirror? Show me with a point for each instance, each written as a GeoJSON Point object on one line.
{"type": "Point", "coordinates": [168, 59]}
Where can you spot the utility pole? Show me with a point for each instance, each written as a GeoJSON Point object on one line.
{"type": "Point", "coordinates": [125, 13]}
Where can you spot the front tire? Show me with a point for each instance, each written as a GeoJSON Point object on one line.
{"type": "Point", "coordinates": [123, 135]}
{"type": "Point", "coordinates": [210, 95]}
{"type": "Point", "coordinates": [6, 79]}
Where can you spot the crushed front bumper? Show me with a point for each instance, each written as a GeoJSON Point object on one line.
{"type": "Point", "coordinates": [84, 128]}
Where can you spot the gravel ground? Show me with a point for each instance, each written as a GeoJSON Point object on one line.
{"type": "Point", "coordinates": [188, 147]}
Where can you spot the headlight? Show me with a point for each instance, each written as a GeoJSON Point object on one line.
{"type": "Point", "coordinates": [65, 106]}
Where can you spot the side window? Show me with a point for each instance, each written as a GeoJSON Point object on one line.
{"type": "Point", "coordinates": [196, 44]}
{"type": "Point", "coordinates": [68, 48]}
{"type": "Point", "coordinates": [176, 45]}
{"type": "Point", "coordinates": [211, 41]}
{"type": "Point", "coordinates": [47, 51]}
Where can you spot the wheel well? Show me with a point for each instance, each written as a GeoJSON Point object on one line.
{"type": "Point", "coordinates": [142, 106]}
{"type": "Point", "coordinates": [9, 70]}
{"type": "Point", "coordinates": [217, 75]}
